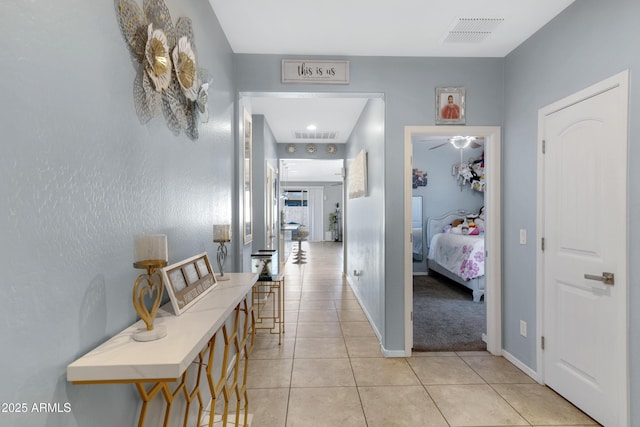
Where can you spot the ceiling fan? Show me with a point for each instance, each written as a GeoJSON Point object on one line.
{"type": "Point", "coordinates": [461, 142]}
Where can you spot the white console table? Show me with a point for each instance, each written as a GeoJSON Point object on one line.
{"type": "Point", "coordinates": [161, 367]}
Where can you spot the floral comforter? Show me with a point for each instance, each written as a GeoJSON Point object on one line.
{"type": "Point", "coordinates": [461, 254]}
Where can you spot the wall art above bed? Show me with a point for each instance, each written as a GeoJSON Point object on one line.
{"type": "Point", "coordinates": [168, 79]}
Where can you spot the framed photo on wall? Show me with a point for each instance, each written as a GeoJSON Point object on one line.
{"type": "Point", "coordinates": [450, 109]}
{"type": "Point", "coordinates": [357, 174]}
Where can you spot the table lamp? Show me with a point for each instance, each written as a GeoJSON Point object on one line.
{"type": "Point", "coordinates": [222, 235]}
{"type": "Point", "coordinates": [150, 255]}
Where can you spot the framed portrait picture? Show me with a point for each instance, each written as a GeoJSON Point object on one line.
{"type": "Point", "coordinates": [188, 281]}
{"type": "Point", "coordinates": [450, 108]}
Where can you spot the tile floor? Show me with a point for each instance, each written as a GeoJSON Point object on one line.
{"type": "Point", "coordinates": [329, 370]}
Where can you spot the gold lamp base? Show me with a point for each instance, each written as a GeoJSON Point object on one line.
{"type": "Point", "coordinates": [150, 285]}
{"type": "Point", "coordinates": [150, 265]}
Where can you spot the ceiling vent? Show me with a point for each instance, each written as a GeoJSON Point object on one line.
{"type": "Point", "coordinates": [315, 135]}
{"type": "Point", "coordinates": [472, 30]}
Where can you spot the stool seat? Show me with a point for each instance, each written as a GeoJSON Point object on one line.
{"type": "Point", "coordinates": [301, 236]}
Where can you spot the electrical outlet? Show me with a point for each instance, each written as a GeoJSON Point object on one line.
{"type": "Point", "coordinates": [523, 236]}
{"type": "Point", "coordinates": [523, 328]}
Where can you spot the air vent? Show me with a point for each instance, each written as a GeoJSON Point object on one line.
{"type": "Point", "coordinates": [472, 30]}
{"type": "Point", "coordinates": [315, 135]}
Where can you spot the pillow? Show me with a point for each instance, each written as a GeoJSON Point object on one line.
{"type": "Point", "coordinates": [457, 222]}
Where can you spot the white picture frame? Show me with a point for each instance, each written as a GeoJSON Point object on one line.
{"type": "Point", "coordinates": [188, 281]}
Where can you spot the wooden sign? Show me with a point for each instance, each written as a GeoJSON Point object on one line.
{"type": "Point", "coordinates": [311, 71]}
{"type": "Point", "coordinates": [188, 281]}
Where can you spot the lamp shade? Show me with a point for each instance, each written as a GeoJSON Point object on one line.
{"type": "Point", "coordinates": [222, 232]}
{"type": "Point", "coordinates": [151, 247]}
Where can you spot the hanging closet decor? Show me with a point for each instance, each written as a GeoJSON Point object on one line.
{"type": "Point", "coordinates": [470, 172]}
{"type": "Point", "coordinates": [167, 77]}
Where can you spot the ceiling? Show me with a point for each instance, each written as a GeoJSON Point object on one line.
{"type": "Point", "coordinates": [308, 170]}
{"type": "Point", "coordinates": [383, 28]}
{"type": "Point", "coordinates": [419, 28]}
{"type": "Point", "coordinates": [289, 116]}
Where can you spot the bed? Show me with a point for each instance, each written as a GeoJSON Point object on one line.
{"type": "Point", "coordinates": [459, 257]}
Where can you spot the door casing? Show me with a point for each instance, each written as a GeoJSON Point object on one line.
{"type": "Point", "coordinates": [493, 263]}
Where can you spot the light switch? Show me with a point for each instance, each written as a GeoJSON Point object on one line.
{"type": "Point", "coordinates": [523, 236]}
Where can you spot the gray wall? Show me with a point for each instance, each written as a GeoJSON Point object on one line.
{"type": "Point", "coordinates": [364, 217]}
{"type": "Point", "coordinates": [80, 177]}
{"type": "Point", "coordinates": [442, 193]}
{"type": "Point", "coordinates": [590, 41]}
{"type": "Point", "coordinates": [408, 85]}
{"type": "Point", "coordinates": [264, 155]}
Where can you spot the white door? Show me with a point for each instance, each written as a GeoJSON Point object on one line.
{"type": "Point", "coordinates": [584, 230]}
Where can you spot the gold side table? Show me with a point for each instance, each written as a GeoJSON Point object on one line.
{"type": "Point", "coordinates": [268, 302]}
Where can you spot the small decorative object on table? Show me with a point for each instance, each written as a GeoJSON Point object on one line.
{"type": "Point", "coordinates": [222, 235]}
{"type": "Point", "coordinates": [265, 263]}
{"type": "Point", "coordinates": [151, 255]}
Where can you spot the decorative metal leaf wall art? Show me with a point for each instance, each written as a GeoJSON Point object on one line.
{"type": "Point", "coordinates": [168, 79]}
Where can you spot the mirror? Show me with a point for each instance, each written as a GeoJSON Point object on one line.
{"type": "Point", "coordinates": [416, 228]}
{"type": "Point", "coordinates": [247, 223]}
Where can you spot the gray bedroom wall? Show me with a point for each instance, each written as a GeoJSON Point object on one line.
{"type": "Point", "coordinates": [80, 178]}
{"type": "Point", "coordinates": [408, 85]}
{"type": "Point", "coordinates": [442, 193]}
{"type": "Point", "coordinates": [590, 41]}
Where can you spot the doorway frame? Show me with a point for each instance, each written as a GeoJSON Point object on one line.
{"type": "Point", "coordinates": [618, 80]}
{"type": "Point", "coordinates": [493, 239]}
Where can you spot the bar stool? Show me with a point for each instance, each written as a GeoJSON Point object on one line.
{"type": "Point", "coordinates": [301, 235]}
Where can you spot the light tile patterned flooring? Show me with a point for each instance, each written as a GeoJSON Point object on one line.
{"type": "Point", "coordinates": [329, 370]}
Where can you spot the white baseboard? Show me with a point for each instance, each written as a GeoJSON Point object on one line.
{"type": "Point", "coordinates": [524, 368]}
{"type": "Point", "coordinates": [393, 353]}
{"type": "Point", "coordinates": [420, 273]}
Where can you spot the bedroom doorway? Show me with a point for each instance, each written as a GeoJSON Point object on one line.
{"type": "Point", "coordinates": [492, 297]}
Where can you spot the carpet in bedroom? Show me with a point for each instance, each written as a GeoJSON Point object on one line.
{"type": "Point", "coordinates": [445, 318]}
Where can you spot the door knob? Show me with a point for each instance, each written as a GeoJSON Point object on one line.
{"type": "Point", "coordinates": [606, 278]}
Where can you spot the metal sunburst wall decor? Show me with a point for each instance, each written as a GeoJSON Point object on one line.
{"type": "Point", "coordinates": [167, 77]}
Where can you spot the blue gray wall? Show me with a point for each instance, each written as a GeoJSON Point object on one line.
{"type": "Point", "coordinates": [80, 177]}
{"type": "Point", "coordinates": [364, 217]}
{"type": "Point", "coordinates": [590, 41]}
{"type": "Point", "coordinates": [264, 155]}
